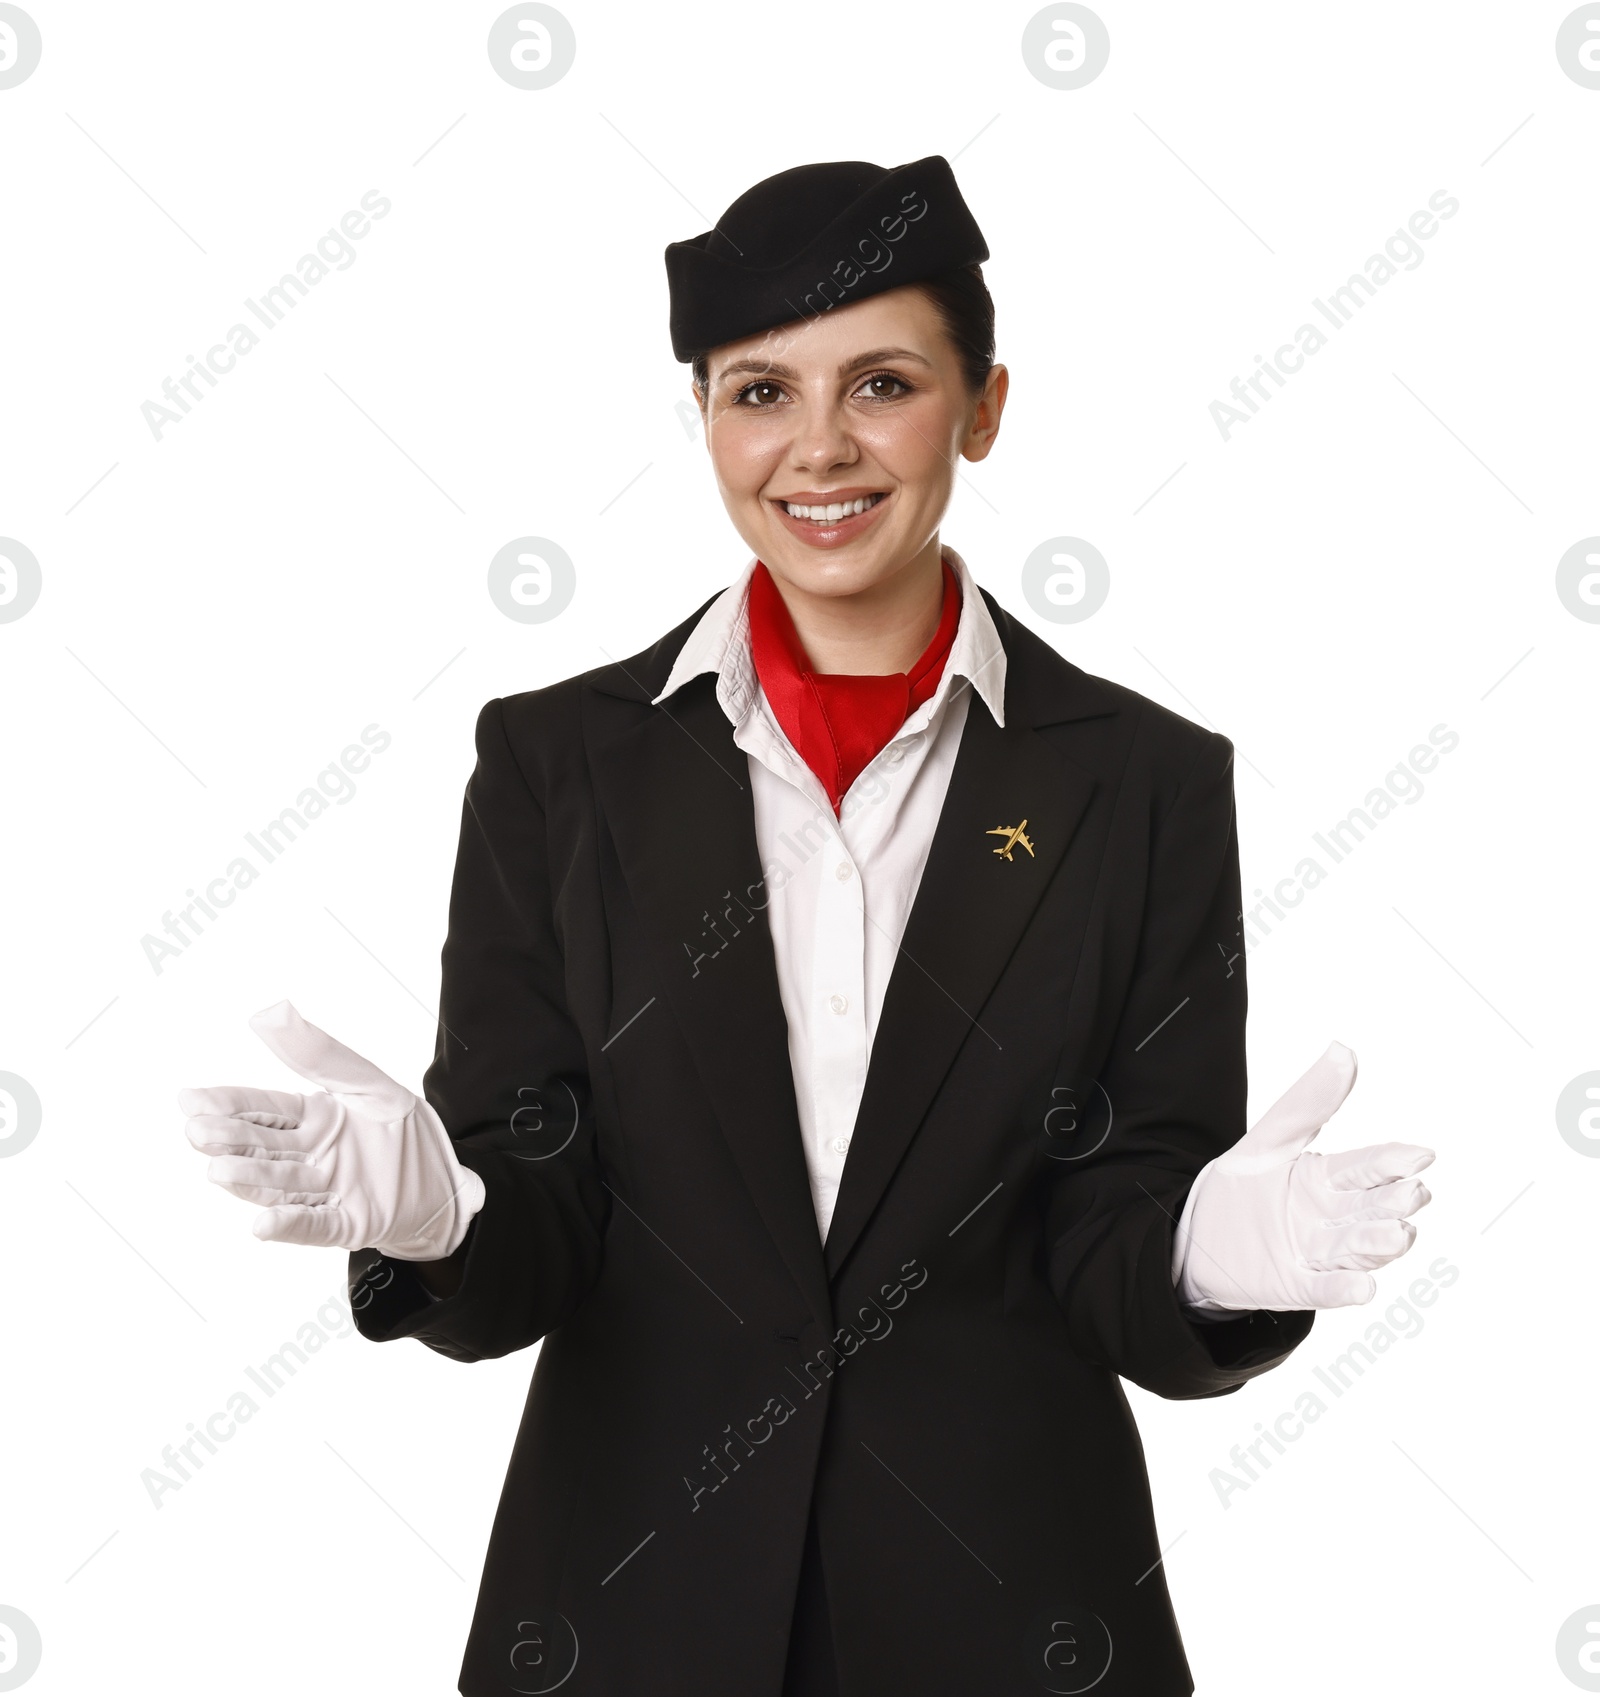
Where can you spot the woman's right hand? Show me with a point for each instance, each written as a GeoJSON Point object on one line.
{"type": "Point", "coordinates": [361, 1163]}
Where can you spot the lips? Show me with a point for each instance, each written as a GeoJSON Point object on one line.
{"type": "Point", "coordinates": [846, 522]}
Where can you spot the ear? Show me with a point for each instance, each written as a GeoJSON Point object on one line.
{"type": "Point", "coordinates": [986, 418]}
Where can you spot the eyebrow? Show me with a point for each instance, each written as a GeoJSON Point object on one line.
{"type": "Point", "coordinates": [772, 368]}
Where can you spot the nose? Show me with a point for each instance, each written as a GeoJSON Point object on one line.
{"type": "Point", "coordinates": [822, 439]}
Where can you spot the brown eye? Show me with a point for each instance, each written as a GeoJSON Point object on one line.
{"type": "Point", "coordinates": [759, 394]}
{"type": "Point", "coordinates": [884, 386]}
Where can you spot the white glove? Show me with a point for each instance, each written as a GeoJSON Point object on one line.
{"type": "Point", "coordinates": [1269, 1224]}
{"type": "Point", "coordinates": [362, 1164]}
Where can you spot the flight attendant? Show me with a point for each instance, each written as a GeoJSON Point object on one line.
{"type": "Point", "coordinates": [841, 1066]}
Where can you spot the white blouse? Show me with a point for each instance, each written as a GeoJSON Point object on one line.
{"type": "Point", "coordinates": [841, 889]}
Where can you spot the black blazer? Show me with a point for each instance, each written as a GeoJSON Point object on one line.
{"type": "Point", "coordinates": [1061, 1048]}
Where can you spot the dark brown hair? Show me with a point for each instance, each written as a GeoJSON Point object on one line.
{"type": "Point", "coordinates": [965, 307]}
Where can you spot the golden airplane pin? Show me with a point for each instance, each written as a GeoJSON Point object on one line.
{"type": "Point", "coordinates": [1015, 837]}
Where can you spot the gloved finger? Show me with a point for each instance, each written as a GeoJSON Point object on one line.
{"type": "Point", "coordinates": [215, 1134]}
{"type": "Point", "coordinates": [1305, 1107]}
{"type": "Point", "coordinates": [313, 1054]}
{"type": "Point", "coordinates": [1378, 1163]}
{"type": "Point", "coordinates": [1365, 1244]}
{"type": "Point", "coordinates": [268, 1106]}
{"type": "Point", "coordinates": [1340, 1290]}
{"type": "Point", "coordinates": [317, 1227]}
{"type": "Point", "coordinates": [273, 1198]}
{"type": "Point", "coordinates": [1382, 1202]}
{"type": "Point", "coordinates": [270, 1181]}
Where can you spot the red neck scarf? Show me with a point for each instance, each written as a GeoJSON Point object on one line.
{"type": "Point", "coordinates": [839, 721]}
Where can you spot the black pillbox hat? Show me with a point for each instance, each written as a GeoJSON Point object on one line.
{"type": "Point", "coordinates": [816, 237]}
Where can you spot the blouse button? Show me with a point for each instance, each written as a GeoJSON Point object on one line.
{"type": "Point", "coordinates": [840, 1145]}
{"type": "Point", "coordinates": [839, 1004]}
{"type": "Point", "coordinates": [843, 871]}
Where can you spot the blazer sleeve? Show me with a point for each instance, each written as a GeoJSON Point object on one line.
{"type": "Point", "coordinates": [510, 1082]}
{"type": "Point", "coordinates": [1175, 1079]}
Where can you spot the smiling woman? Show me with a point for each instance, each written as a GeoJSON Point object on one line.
{"type": "Point", "coordinates": [949, 881]}
{"type": "Point", "coordinates": [836, 465]}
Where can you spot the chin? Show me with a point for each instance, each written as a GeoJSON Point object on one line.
{"type": "Point", "coordinates": [839, 571]}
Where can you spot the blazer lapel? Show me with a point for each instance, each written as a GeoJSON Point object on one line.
{"type": "Point", "coordinates": [971, 908]}
{"type": "Point", "coordinates": [675, 791]}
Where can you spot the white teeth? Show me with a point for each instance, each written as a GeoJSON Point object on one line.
{"type": "Point", "coordinates": [833, 511]}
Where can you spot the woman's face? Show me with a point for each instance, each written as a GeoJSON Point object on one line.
{"type": "Point", "coordinates": [864, 404]}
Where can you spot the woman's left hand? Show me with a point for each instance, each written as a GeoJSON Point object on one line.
{"type": "Point", "coordinates": [1271, 1224]}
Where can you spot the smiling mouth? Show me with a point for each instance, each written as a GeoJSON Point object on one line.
{"type": "Point", "coordinates": [833, 511]}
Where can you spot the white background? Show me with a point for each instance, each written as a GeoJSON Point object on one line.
{"type": "Point", "coordinates": [306, 554]}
